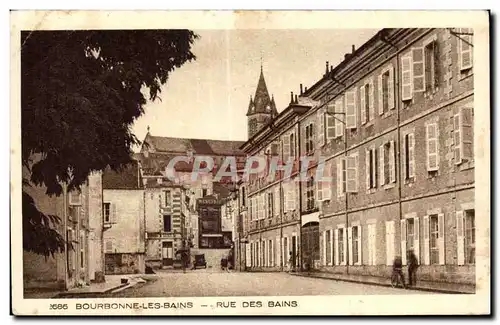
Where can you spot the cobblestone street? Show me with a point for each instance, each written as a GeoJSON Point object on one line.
{"type": "Point", "coordinates": [206, 283]}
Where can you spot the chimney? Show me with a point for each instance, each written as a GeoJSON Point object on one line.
{"type": "Point", "coordinates": [305, 89]}
{"type": "Point", "coordinates": [291, 97]}
{"type": "Point", "coordinates": [326, 67]}
{"type": "Point", "coordinates": [296, 99]}
{"type": "Point", "coordinates": [301, 89]}
{"type": "Point", "coordinates": [346, 56]}
{"type": "Point", "coordinates": [331, 68]}
{"type": "Point", "coordinates": [353, 48]}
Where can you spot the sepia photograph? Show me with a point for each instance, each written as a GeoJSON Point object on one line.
{"type": "Point", "coordinates": [228, 166]}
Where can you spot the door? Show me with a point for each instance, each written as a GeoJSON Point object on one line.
{"type": "Point", "coordinates": [167, 253]}
{"type": "Point", "coordinates": [294, 251]}
{"type": "Point", "coordinates": [310, 244]}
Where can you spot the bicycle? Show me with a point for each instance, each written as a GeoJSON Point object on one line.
{"type": "Point", "coordinates": [397, 278]}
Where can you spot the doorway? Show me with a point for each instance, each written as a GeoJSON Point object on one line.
{"type": "Point", "coordinates": [310, 244]}
{"type": "Point", "coordinates": [167, 253]}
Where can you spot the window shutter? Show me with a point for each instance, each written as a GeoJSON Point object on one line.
{"type": "Point", "coordinates": [426, 241]}
{"type": "Point", "coordinates": [372, 100]}
{"type": "Point", "coordinates": [465, 50]}
{"type": "Point", "coordinates": [356, 176]}
{"type": "Point", "coordinates": [467, 133]}
{"type": "Point", "coordinates": [367, 169]}
{"type": "Point", "coordinates": [372, 243]}
{"type": "Point", "coordinates": [441, 237]}
{"type": "Point", "coordinates": [460, 238]}
{"type": "Point", "coordinates": [319, 190]}
{"type": "Point", "coordinates": [411, 153]}
{"type": "Point", "coordinates": [332, 245]}
{"type": "Point", "coordinates": [330, 126]}
{"type": "Point", "coordinates": [418, 69]}
{"type": "Point", "coordinates": [389, 242]}
{"type": "Point", "coordinates": [432, 147]}
{"type": "Point", "coordinates": [286, 147]}
{"type": "Point", "coordinates": [381, 165]}
{"type": "Point", "coordinates": [374, 167]}
{"type": "Point", "coordinates": [349, 242]}
{"type": "Point", "coordinates": [360, 241]}
{"type": "Point", "coordinates": [339, 108]}
{"type": "Point", "coordinates": [457, 139]}
{"type": "Point", "coordinates": [392, 162]}
{"type": "Point", "coordinates": [324, 248]}
{"type": "Point", "coordinates": [327, 185]}
{"type": "Point", "coordinates": [416, 240]}
{"type": "Point", "coordinates": [339, 177]}
{"type": "Point", "coordinates": [271, 253]}
{"type": "Point", "coordinates": [403, 240]}
{"type": "Point", "coordinates": [406, 78]}
{"type": "Point", "coordinates": [350, 99]}
{"type": "Point", "coordinates": [362, 103]}
{"type": "Point", "coordinates": [321, 128]}
{"type": "Point", "coordinates": [403, 157]}
{"type": "Point", "coordinates": [277, 200]}
{"type": "Point", "coordinates": [390, 87]}
{"type": "Point", "coordinates": [344, 262]}
{"type": "Point", "coordinates": [336, 243]}
{"type": "Point", "coordinates": [351, 174]}
{"type": "Point", "coordinates": [380, 93]}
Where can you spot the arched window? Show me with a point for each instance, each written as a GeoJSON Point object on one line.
{"type": "Point", "coordinates": [292, 146]}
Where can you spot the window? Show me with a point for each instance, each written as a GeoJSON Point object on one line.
{"type": "Point", "coordinates": [292, 146]}
{"type": "Point", "coordinates": [465, 52]}
{"type": "Point", "coordinates": [409, 156]}
{"type": "Point", "coordinates": [432, 147]}
{"type": "Point", "coordinates": [434, 236]}
{"type": "Point", "coordinates": [339, 117]}
{"type": "Point", "coordinates": [204, 192]}
{"type": "Point", "coordinates": [351, 109]}
{"type": "Point", "coordinates": [310, 201]}
{"type": "Point", "coordinates": [243, 196]}
{"type": "Point", "coordinates": [470, 237]}
{"type": "Point", "coordinates": [167, 197]}
{"type": "Point", "coordinates": [366, 107]}
{"type": "Point", "coordinates": [406, 78]}
{"type": "Point", "coordinates": [410, 234]}
{"type": "Point", "coordinates": [387, 158]}
{"type": "Point", "coordinates": [341, 177]}
{"type": "Point", "coordinates": [309, 138]}
{"type": "Point", "coordinates": [285, 251]}
{"type": "Point", "coordinates": [371, 162]}
{"type": "Point", "coordinates": [330, 122]}
{"type": "Point", "coordinates": [270, 205]}
{"type": "Point", "coordinates": [462, 135]}
{"type": "Point", "coordinates": [431, 65]}
{"type": "Point", "coordinates": [167, 223]}
{"type": "Point", "coordinates": [352, 174]}
{"type": "Point", "coordinates": [340, 243]}
{"type": "Point", "coordinates": [387, 163]}
{"type": "Point", "coordinates": [263, 253]}
{"type": "Point", "coordinates": [106, 211]}
{"type": "Point", "coordinates": [109, 246]}
{"type": "Point", "coordinates": [271, 253]}
{"type": "Point", "coordinates": [366, 98]}
{"type": "Point", "coordinates": [355, 245]}
{"type": "Point", "coordinates": [386, 91]}
{"type": "Point", "coordinates": [328, 247]}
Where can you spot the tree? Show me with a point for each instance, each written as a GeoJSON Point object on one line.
{"type": "Point", "coordinates": [81, 91]}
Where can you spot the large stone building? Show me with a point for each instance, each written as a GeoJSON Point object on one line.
{"type": "Point", "coordinates": [394, 123]}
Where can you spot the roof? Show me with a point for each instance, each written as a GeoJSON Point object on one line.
{"type": "Point", "coordinates": [198, 146]}
{"type": "Point", "coordinates": [127, 178]}
{"type": "Point", "coordinates": [262, 102]}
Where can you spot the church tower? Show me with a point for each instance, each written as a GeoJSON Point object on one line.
{"type": "Point", "coordinates": [261, 109]}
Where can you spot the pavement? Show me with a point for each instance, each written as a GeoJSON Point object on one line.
{"type": "Point", "coordinates": [430, 286]}
{"type": "Point", "coordinates": [213, 282]}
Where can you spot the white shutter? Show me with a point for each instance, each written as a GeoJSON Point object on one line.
{"type": "Point", "coordinates": [352, 174]}
{"type": "Point", "coordinates": [339, 108]}
{"type": "Point", "coordinates": [286, 147]}
{"type": "Point", "coordinates": [460, 238]}
{"type": "Point", "coordinates": [330, 122]}
{"type": "Point", "coordinates": [416, 240]}
{"type": "Point", "coordinates": [389, 241]}
{"type": "Point", "coordinates": [432, 147]}
{"type": "Point", "coordinates": [467, 133]}
{"type": "Point", "coordinates": [350, 103]}
{"type": "Point", "coordinates": [403, 156]}
{"type": "Point", "coordinates": [457, 139]}
{"type": "Point", "coordinates": [372, 249]}
{"type": "Point", "coordinates": [339, 179]}
{"type": "Point", "coordinates": [372, 100]}
{"type": "Point", "coordinates": [277, 200]}
{"type": "Point", "coordinates": [344, 232]}
{"type": "Point", "coordinates": [321, 128]}
{"type": "Point", "coordinates": [418, 69]}
{"type": "Point", "coordinates": [411, 154]}
{"type": "Point", "coordinates": [381, 165]}
{"type": "Point", "coordinates": [324, 248]}
{"type": "Point", "coordinates": [319, 190]}
{"type": "Point", "coordinates": [403, 240]}
{"type": "Point", "coordinates": [426, 241]}
{"type": "Point", "coordinates": [374, 167]}
{"type": "Point", "coordinates": [332, 244]}
{"type": "Point", "coordinates": [362, 104]}
{"type": "Point", "coordinates": [367, 168]}
{"type": "Point", "coordinates": [390, 88]}
{"type": "Point", "coordinates": [465, 50]}
{"type": "Point", "coordinates": [349, 243]}
{"type": "Point", "coordinates": [327, 185]}
{"type": "Point", "coordinates": [392, 162]}
{"type": "Point", "coordinates": [271, 253]}
{"type": "Point", "coordinates": [441, 238]}
{"type": "Point", "coordinates": [336, 240]}
{"type": "Point", "coordinates": [293, 195]}
{"type": "Point", "coordinates": [406, 78]}
{"type": "Point", "coordinates": [380, 93]}
{"type": "Point", "coordinates": [360, 241]}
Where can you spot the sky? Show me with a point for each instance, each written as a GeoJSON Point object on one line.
{"type": "Point", "coordinates": [208, 98]}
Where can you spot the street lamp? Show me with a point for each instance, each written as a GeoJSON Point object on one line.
{"type": "Point", "coordinates": [333, 114]}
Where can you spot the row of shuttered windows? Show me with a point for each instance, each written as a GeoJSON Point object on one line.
{"type": "Point", "coordinates": [380, 167]}
{"type": "Point", "coordinates": [340, 242]}
{"type": "Point", "coordinates": [271, 252]}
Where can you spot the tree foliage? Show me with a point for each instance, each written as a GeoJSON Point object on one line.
{"type": "Point", "coordinates": [81, 91]}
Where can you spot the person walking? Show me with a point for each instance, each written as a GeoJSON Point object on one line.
{"type": "Point", "coordinates": [412, 267]}
{"type": "Point", "coordinates": [290, 263]}
{"type": "Point", "coordinates": [397, 269]}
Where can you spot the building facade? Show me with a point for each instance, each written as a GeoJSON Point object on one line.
{"type": "Point", "coordinates": [393, 123]}
{"type": "Point", "coordinates": [124, 220]}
